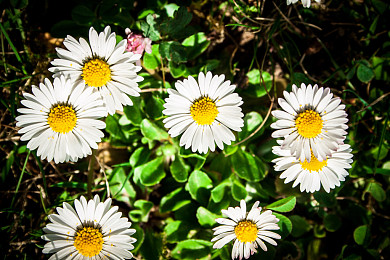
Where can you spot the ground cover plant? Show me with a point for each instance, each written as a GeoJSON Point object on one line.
{"type": "Point", "coordinates": [195, 129]}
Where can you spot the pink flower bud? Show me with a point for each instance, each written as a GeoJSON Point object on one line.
{"type": "Point", "coordinates": [137, 43]}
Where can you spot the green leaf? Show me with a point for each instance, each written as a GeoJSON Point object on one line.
{"type": "Point", "coordinates": [192, 249]}
{"type": "Point", "coordinates": [379, 67]}
{"type": "Point", "coordinates": [251, 121]}
{"type": "Point", "coordinates": [284, 223]}
{"type": "Point", "coordinates": [139, 156]}
{"type": "Point", "coordinates": [299, 225]}
{"type": "Point", "coordinates": [196, 44]}
{"type": "Point", "coordinates": [142, 14]}
{"type": "Point", "coordinates": [151, 248]}
{"type": "Point", "coordinates": [178, 69]}
{"type": "Point", "coordinates": [154, 107]}
{"type": "Point", "coordinates": [205, 217]}
{"type": "Point", "coordinates": [194, 158]}
{"type": "Point", "coordinates": [177, 26]}
{"type": "Point", "coordinates": [139, 235]}
{"type": "Point", "coordinates": [210, 65]}
{"type": "Point", "coordinates": [151, 172]}
{"type": "Point", "coordinates": [149, 28]}
{"type": "Point", "coordinates": [332, 222]}
{"type": "Point", "coordinates": [364, 71]}
{"type": "Point", "coordinates": [376, 191]}
{"type": "Point", "coordinates": [153, 132]}
{"type": "Point", "coordinates": [174, 200]}
{"type": "Point", "coordinates": [171, 9]}
{"type": "Point", "coordinates": [222, 165]}
{"type": "Point", "coordinates": [218, 192]}
{"type": "Point", "coordinates": [198, 185]}
{"type": "Point", "coordinates": [258, 82]}
{"type": "Point", "coordinates": [244, 164]}
{"type": "Point", "coordinates": [230, 149]}
{"type": "Point", "coordinates": [383, 152]}
{"type": "Point", "coordinates": [177, 231]}
{"type": "Point", "coordinates": [361, 235]}
{"type": "Point", "coordinates": [141, 213]}
{"type": "Point", "coordinates": [134, 113]}
{"type": "Point", "coordinates": [113, 128]}
{"type": "Point", "coordinates": [83, 15]}
{"type": "Point", "coordinates": [179, 169]}
{"type": "Point", "coordinates": [153, 60]}
{"type": "Point", "coordinates": [173, 51]}
{"type": "Point", "coordinates": [120, 183]}
{"type": "Point", "coordinates": [283, 205]}
{"type": "Point", "coordinates": [238, 191]}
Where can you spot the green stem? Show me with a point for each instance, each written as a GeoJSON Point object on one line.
{"type": "Point", "coordinates": [92, 161]}
{"type": "Point", "coordinates": [13, 48]}
{"type": "Point", "coordinates": [20, 178]}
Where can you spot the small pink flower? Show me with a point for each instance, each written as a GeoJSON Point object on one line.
{"type": "Point", "coordinates": [137, 43]}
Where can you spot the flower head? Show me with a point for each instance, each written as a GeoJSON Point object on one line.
{"type": "Point", "coordinates": [204, 112]}
{"type": "Point", "coordinates": [90, 230]}
{"type": "Point", "coordinates": [61, 121]}
{"type": "Point", "coordinates": [313, 174]}
{"type": "Point", "coordinates": [137, 43]}
{"type": "Point", "coordinates": [313, 121]}
{"type": "Point", "coordinates": [101, 65]}
{"type": "Point", "coordinates": [248, 230]}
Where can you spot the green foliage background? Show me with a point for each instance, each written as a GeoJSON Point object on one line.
{"type": "Point", "coordinates": [171, 195]}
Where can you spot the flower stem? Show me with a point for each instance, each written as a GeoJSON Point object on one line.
{"type": "Point", "coordinates": [91, 173]}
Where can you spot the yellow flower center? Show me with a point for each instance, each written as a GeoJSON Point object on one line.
{"type": "Point", "coordinates": [314, 164]}
{"type": "Point", "coordinates": [96, 73]}
{"type": "Point", "coordinates": [62, 118]}
{"type": "Point", "coordinates": [204, 111]}
{"type": "Point", "coordinates": [88, 241]}
{"type": "Point", "coordinates": [246, 231]}
{"type": "Point", "coordinates": [309, 124]}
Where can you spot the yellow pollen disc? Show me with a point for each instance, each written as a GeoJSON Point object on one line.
{"type": "Point", "coordinates": [314, 164]}
{"type": "Point", "coordinates": [88, 241]}
{"type": "Point", "coordinates": [204, 111]}
{"type": "Point", "coordinates": [96, 73]}
{"type": "Point", "coordinates": [62, 118]}
{"type": "Point", "coordinates": [309, 124]}
{"type": "Point", "coordinates": [246, 231]}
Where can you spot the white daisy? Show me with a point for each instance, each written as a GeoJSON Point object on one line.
{"type": "Point", "coordinates": [248, 230]}
{"type": "Point", "coordinates": [61, 121]}
{"type": "Point", "coordinates": [310, 175]}
{"type": "Point", "coordinates": [102, 65]}
{"type": "Point", "coordinates": [91, 230]}
{"type": "Point", "coordinates": [204, 111]}
{"type": "Point", "coordinates": [305, 3]}
{"type": "Point", "coordinates": [311, 121]}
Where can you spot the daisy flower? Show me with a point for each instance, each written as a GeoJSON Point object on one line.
{"type": "Point", "coordinates": [305, 3]}
{"type": "Point", "coordinates": [248, 230]}
{"type": "Point", "coordinates": [204, 112]}
{"type": "Point", "coordinates": [312, 120]}
{"type": "Point", "coordinates": [102, 65]}
{"type": "Point", "coordinates": [311, 175]}
{"type": "Point", "coordinates": [61, 121]}
{"type": "Point", "coordinates": [91, 230]}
